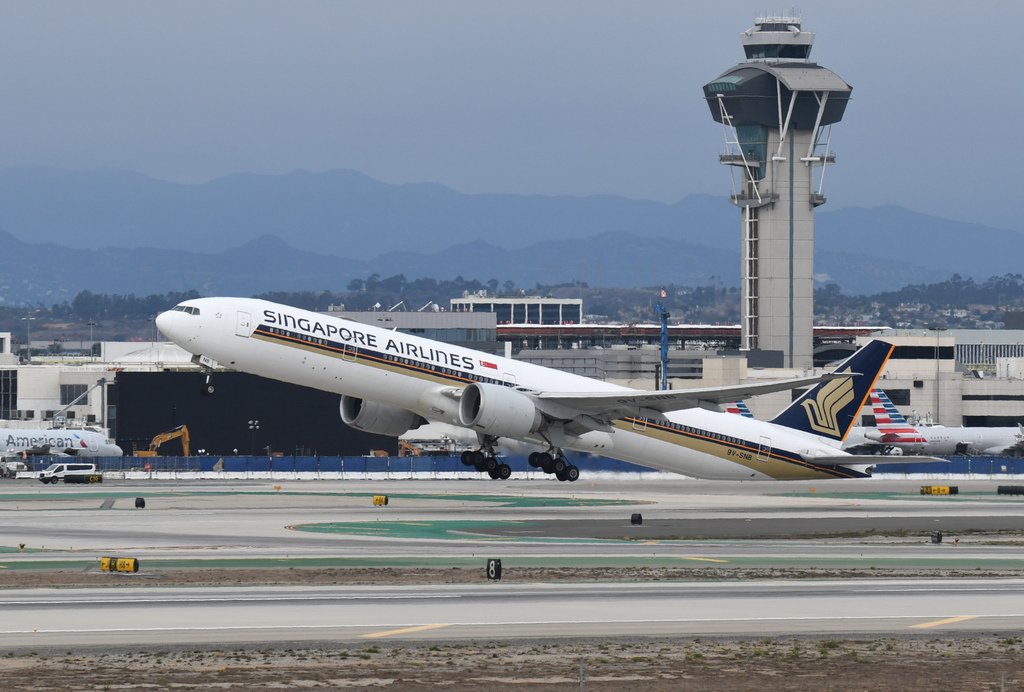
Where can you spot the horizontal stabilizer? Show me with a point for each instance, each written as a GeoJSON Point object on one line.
{"type": "Point", "coordinates": [873, 460]}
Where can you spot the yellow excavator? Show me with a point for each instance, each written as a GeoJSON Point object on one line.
{"type": "Point", "coordinates": [407, 449]}
{"type": "Point", "coordinates": [179, 432]}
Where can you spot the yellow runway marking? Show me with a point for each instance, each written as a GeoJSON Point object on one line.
{"type": "Point", "coordinates": [947, 621]}
{"type": "Point", "coordinates": [702, 559]}
{"type": "Point", "coordinates": [404, 630]}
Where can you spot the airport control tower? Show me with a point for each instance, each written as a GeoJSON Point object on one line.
{"type": "Point", "coordinates": [777, 108]}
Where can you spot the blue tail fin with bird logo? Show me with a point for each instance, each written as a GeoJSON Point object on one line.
{"type": "Point", "coordinates": [830, 408]}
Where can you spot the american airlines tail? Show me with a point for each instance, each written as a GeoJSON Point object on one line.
{"type": "Point", "coordinates": [891, 424]}
{"type": "Point", "coordinates": [886, 413]}
{"type": "Point", "coordinates": [830, 408]}
{"type": "Point", "coordinates": [740, 408]}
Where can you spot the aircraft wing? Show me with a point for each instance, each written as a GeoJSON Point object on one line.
{"type": "Point", "coordinates": [607, 405]}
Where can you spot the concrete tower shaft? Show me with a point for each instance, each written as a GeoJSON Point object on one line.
{"type": "Point", "coordinates": [777, 108]}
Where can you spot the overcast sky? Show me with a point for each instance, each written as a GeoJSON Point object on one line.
{"type": "Point", "coordinates": [553, 97]}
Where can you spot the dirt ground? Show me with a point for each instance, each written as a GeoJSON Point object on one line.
{"type": "Point", "coordinates": [397, 576]}
{"type": "Point", "coordinates": [914, 662]}
{"type": "Point", "coordinates": [932, 663]}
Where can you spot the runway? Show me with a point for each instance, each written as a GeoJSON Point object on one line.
{"type": "Point", "coordinates": [506, 612]}
{"type": "Point", "coordinates": [445, 524]}
{"type": "Point", "coordinates": [434, 521]}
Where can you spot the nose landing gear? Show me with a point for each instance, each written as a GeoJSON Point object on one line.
{"type": "Point", "coordinates": [207, 389]}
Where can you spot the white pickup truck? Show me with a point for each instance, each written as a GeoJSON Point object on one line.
{"type": "Point", "coordinates": [9, 468]}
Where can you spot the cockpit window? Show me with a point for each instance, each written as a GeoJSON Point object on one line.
{"type": "Point", "coordinates": [186, 309]}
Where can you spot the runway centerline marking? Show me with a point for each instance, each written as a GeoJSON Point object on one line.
{"type": "Point", "coordinates": [702, 559]}
{"type": "Point", "coordinates": [404, 630]}
{"type": "Point", "coordinates": [947, 621]}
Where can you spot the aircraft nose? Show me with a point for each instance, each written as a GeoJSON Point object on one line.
{"type": "Point", "coordinates": [115, 451]}
{"type": "Point", "coordinates": [166, 322]}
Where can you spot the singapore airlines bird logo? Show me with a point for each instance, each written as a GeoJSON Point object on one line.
{"type": "Point", "coordinates": [823, 410]}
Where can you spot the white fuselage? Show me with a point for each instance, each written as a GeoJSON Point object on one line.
{"type": "Point", "coordinates": [425, 377]}
{"type": "Point", "coordinates": [942, 440]}
{"type": "Point", "coordinates": [84, 443]}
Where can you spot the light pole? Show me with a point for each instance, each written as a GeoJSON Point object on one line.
{"type": "Point", "coordinates": [254, 425]}
{"type": "Point", "coordinates": [937, 328]}
{"type": "Point", "coordinates": [28, 328]}
{"type": "Point", "coordinates": [92, 343]}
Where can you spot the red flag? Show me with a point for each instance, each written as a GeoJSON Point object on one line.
{"type": "Point", "coordinates": [487, 364]}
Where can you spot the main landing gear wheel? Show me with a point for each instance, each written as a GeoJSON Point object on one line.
{"type": "Point", "coordinates": [486, 461]}
{"type": "Point", "coordinates": [207, 389]}
{"type": "Point", "coordinates": [542, 461]}
{"type": "Point", "coordinates": [500, 472]}
{"type": "Point", "coordinates": [554, 464]}
{"type": "Point", "coordinates": [477, 460]}
{"type": "Point", "coordinates": [494, 468]}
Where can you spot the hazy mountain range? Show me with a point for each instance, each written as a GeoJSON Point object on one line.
{"type": "Point", "coordinates": [117, 232]}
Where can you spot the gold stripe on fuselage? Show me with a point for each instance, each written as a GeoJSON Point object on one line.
{"type": "Point", "coordinates": [771, 464]}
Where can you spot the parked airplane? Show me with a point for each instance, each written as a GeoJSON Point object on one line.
{"type": "Point", "coordinates": [892, 429]}
{"type": "Point", "coordinates": [890, 425]}
{"type": "Point", "coordinates": [392, 382]}
{"type": "Point", "coordinates": [56, 441]}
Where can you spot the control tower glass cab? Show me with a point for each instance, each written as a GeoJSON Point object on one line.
{"type": "Point", "coordinates": [777, 108]}
{"type": "Point", "coordinates": [777, 38]}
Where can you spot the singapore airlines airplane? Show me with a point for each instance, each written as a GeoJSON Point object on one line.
{"type": "Point", "coordinates": [56, 441]}
{"type": "Point", "coordinates": [391, 383]}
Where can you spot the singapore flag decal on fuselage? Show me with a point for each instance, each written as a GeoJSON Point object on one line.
{"type": "Point", "coordinates": [392, 382]}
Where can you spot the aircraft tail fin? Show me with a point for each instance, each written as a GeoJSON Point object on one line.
{"type": "Point", "coordinates": [740, 408]}
{"type": "Point", "coordinates": [891, 426]}
{"type": "Point", "coordinates": [830, 408]}
{"type": "Point", "coordinates": [886, 413]}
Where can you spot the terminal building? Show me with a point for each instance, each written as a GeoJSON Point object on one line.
{"type": "Point", "coordinates": [522, 309]}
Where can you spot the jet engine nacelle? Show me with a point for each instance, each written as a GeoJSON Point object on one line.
{"type": "Point", "coordinates": [375, 417]}
{"type": "Point", "coordinates": [498, 411]}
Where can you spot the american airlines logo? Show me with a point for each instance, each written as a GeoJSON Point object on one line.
{"type": "Point", "coordinates": [823, 410]}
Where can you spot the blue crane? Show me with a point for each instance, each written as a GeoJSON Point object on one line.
{"type": "Point", "coordinates": [664, 315]}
